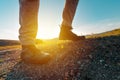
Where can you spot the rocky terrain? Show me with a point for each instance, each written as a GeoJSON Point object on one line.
{"type": "Point", "coordinates": [91, 59]}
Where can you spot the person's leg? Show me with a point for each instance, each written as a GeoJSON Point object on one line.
{"type": "Point", "coordinates": [27, 32]}
{"type": "Point", "coordinates": [66, 26]}
{"type": "Point", "coordinates": [69, 12]}
{"type": "Point", "coordinates": [28, 21]}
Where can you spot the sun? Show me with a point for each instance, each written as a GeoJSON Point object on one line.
{"type": "Point", "coordinates": [48, 26]}
{"type": "Point", "coordinates": [47, 32]}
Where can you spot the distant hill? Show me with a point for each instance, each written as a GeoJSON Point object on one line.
{"type": "Point", "coordinates": [104, 34]}
{"type": "Point", "coordinates": [4, 42]}
{"type": "Point", "coordinates": [8, 42]}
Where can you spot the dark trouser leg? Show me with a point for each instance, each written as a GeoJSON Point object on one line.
{"type": "Point", "coordinates": [66, 26]}
{"type": "Point", "coordinates": [28, 18]}
{"type": "Point", "coordinates": [69, 13]}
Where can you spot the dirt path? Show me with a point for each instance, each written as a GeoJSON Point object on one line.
{"type": "Point", "coordinates": [92, 59]}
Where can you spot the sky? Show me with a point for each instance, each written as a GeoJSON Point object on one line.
{"type": "Point", "coordinates": [92, 16]}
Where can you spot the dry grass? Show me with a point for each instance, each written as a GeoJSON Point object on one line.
{"type": "Point", "coordinates": [105, 34]}
{"type": "Point", "coordinates": [10, 47]}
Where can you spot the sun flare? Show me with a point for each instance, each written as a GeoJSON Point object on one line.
{"type": "Point", "coordinates": [47, 32]}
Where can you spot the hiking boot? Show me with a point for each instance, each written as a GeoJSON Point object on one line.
{"type": "Point", "coordinates": [67, 34]}
{"type": "Point", "coordinates": [30, 54]}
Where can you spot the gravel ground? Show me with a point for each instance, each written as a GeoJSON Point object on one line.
{"type": "Point", "coordinates": [91, 59]}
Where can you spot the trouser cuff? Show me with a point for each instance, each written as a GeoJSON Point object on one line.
{"type": "Point", "coordinates": [64, 27]}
